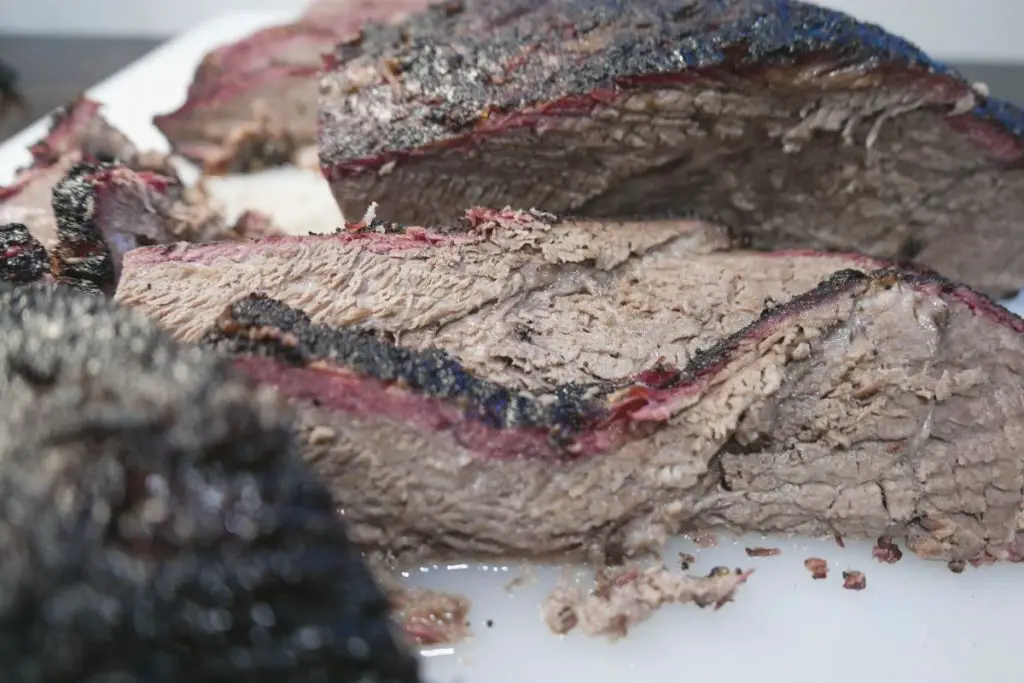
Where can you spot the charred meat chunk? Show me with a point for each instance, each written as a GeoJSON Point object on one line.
{"type": "Point", "coordinates": [156, 523]}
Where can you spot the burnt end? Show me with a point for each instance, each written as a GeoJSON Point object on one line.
{"type": "Point", "coordinates": [259, 325]}
{"type": "Point", "coordinates": [82, 253]}
{"type": "Point", "coordinates": [22, 258]}
{"type": "Point", "coordinates": [156, 524]}
{"type": "Point", "coordinates": [475, 60]}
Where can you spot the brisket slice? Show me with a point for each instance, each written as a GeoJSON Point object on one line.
{"type": "Point", "coordinates": [157, 523]}
{"type": "Point", "coordinates": [793, 125]}
{"type": "Point", "coordinates": [539, 388]}
{"type": "Point", "coordinates": [252, 104]}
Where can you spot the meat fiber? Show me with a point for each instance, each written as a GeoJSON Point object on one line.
{"type": "Point", "coordinates": [537, 388]}
{"type": "Point", "coordinates": [156, 523]}
{"type": "Point", "coordinates": [252, 104]}
{"type": "Point", "coordinates": [794, 126]}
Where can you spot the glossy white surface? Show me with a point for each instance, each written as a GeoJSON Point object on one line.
{"type": "Point", "coordinates": [915, 622]}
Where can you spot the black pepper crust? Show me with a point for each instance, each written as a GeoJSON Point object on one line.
{"type": "Point", "coordinates": [23, 258]}
{"type": "Point", "coordinates": [445, 70]}
{"type": "Point", "coordinates": [82, 253]}
{"type": "Point", "coordinates": [155, 523]}
{"type": "Point", "coordinates": [261, 326]}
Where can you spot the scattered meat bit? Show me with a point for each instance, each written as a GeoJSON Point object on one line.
{"type": "Point", "coordinates": [763, 552]}
{"type": "Point", "coordinates": [854, 580]}
{"type": "Point", "coordinates": [839, 541]}
{"type": "Point", "coordinates": [705, 539]}
{"type": "Point", "coordinates": [629, 597]}
{"type": "Point", "coordinates": [982, 560]}
{"type": "Point", "coordinates": [490, 623]}
{"type": "Point", "coordinates": [957, 566]}
{"type": "Point", "coordinates": [431, 617]}
{"type": "Point", "coordinates": [817, 567]}
{"type": "Point", "coordinates": [686, 560]}
{"type": "Point", "coordinates": [886, 551]}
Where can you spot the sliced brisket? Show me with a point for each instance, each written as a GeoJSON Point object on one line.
{"type": "Point", "coordinates": [156, 522]}
{"type": "Point", "coordinates": [539, 388]}
{"type": "Point", "coordinates": [252, 104]}
{"type": "Point", "coordinates": [795, 126]}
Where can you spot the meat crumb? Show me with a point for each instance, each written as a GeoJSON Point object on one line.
{"type": "Point", "coordinates": [886, 551]}
{"type": "Point", "coordinates": [627, 597]}
{"type": "Point", "coordinates": [321, 435]}
{"type": "Point", "coordinates": [854, 580]}
{"type": "Point", "coordinates": [763, 552]}
{"type": "Point", "coordinates": [839, 541]}
{"type": "Point", "coordinates": [705, 539]}
{"type": "Point", "coordinates": [817, 567]}
{"type": "Point", "coordinates": [686, 560]}
{"type": "Point", "coordinates": [957, 566]}
{"type": "Point", "coordinates": [431, 617]}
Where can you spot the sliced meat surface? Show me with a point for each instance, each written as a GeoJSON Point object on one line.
{"type": "Point", "coordinates": [793, 125]}
{"type": "Point", "coordinates": [157, 522]}
{"type": "Point", "coordinates": [252, 104]}
{"type": "Point", "coordinates": [537, 388]}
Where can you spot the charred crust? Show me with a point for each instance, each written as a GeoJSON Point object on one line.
{"type": "Point", "coordinates": [82, 254]}
{"type": "Point", "coordinates": [455, 69]}
{"type": "Point", "coordinates": [259, 325]}
{"type": "Point", "coordinates": [142, 481]}
{"type": "Point", "coordinates": [23, 258]}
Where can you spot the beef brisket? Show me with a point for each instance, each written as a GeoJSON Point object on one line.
{"type": "Point", "coordinates": [795, 126]}
{"type": "Point", "coordinates": [157, 524]}
{"type": "Point", "coordinates": [252, 104]}
{"type": "Point", "coordinates": [77, 133]}
{"type": "Point", "coordinates": [144, 189]}
{"type": "Point", "coordinates": [539, 388]}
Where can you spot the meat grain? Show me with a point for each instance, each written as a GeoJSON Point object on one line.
{"type": "Point", "coordinates": [765, 115]}
{"type": "Point", "coordinates": [156, 521]}
{"type": "Point", "coordinates": [584, 389]}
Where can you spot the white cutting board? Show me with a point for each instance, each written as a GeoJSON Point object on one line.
{"type": "Point", "coordinates": [915, 622]}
